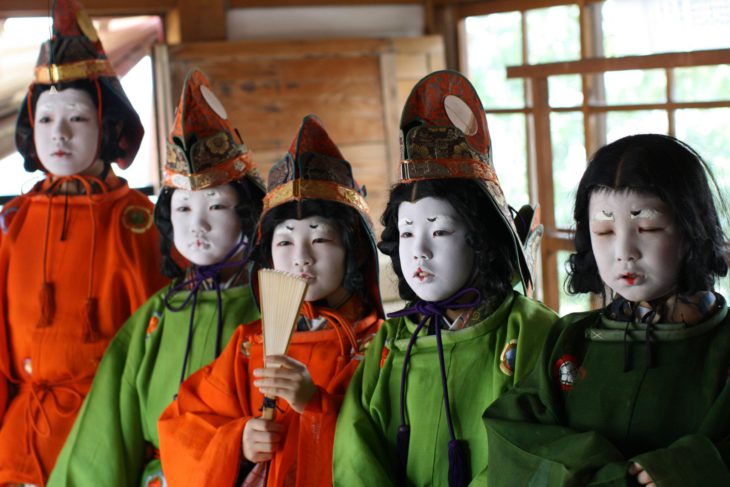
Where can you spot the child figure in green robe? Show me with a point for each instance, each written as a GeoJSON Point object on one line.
{"type": "Point", "coordinates": [207, 211]}
{"type": "Point", "coordinates": [413, 412]}
{"type": "Point", "coordinates": [635, 393]}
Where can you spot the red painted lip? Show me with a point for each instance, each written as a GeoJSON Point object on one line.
{"type": "Point", "coordinates": [422, 275]}
{"type": "Point", "coordinates": [60, 153]}
{"type": "Point", "coordinates": [630, 278]}
{"type": "Point", "coordinates": [306, 276]}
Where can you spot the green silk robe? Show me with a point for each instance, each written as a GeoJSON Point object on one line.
{"type": "Point", "coordinates": [482, 360]}
{"type": "Point", "coordinates": [581, 419]}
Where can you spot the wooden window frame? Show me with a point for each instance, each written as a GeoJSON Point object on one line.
{"type": "Point", "coordinates": [594, 109]}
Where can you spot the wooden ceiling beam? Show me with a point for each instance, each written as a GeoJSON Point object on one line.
{"type": "Point", "coordinates": [315, 3]}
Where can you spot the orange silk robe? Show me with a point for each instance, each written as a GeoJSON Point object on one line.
{"type": "Point", "coordinates": [201, 432]}
{"type": "Point", "coordinates": [110, 252]}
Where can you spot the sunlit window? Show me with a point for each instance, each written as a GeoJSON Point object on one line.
{"type": "Point", "coordinates": [590, 109]}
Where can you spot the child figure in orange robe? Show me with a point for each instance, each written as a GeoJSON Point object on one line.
{"type": "Point", "coordinates": [315, 224]}
{"type": "Point", "coordinates": [78, 253]}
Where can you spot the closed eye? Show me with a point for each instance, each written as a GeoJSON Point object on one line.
{"type": "Point", "coordinates": [322, 240]}
{"type": "Point", "coordinates": [603, 232]}
{"type": "Point", "coordinates": [650, 230]}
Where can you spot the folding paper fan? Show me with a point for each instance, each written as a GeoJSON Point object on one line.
{"type": "Point", "coordinates": [281, 297]}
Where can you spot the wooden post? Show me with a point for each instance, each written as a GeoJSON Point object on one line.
{"type": "Point", "coordinates": [544, 162]}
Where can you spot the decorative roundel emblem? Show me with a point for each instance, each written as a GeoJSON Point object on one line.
{"type": "Point", "coordinates": [213, 102]}
{"type": "Point", "coordinates": [508, 358]}
{"type": "Point", "coordinates": [137, 219]}
{"type": "Point", "coordinates": [565, 371]}
{"type": "Point", "coordinates": [461, 115]}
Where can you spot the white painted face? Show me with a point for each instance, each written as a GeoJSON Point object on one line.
{"type": "Point", "coordinates": [312, 248]}
{"type": "Point", "coordinates": [435, 258]}
{"type": "Point", "coordinates": [66, 132]}
{"type": "Point", "coordinates": [205, 224]}
{"type": "Point", "coordinates": [636, 243]}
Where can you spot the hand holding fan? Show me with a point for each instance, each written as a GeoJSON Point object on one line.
{"type": "Point", "coordinates": [281, 297]}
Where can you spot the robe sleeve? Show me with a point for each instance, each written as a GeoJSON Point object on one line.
{"type": "Point", "coordinates": [201, 431]}
{"type": "Point", "coordinates": [8, 214]}
{"type": "Point", "coordinates": [362, 455]}
{"type": "Point", "coordinates": [106, 445]}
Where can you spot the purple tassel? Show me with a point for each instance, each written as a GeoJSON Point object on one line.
{"type": "Point", "coordinates": [402, 440]}
{"type": "Point", "coordinates": [458, 464]}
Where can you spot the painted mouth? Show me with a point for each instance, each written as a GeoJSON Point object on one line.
{"type": "Point", "coordinates": [61, 153]}
{"type": "Point", "coordinates": [306, 276]}
{"type": "Point", "coordinates": [199, 244]}
{"type": "Point", "coordinates": [631, 278]}
{"type": "Point", "coordinates": [422, 275]}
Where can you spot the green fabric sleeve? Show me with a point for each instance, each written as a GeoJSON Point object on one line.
{"type": "Point", "coordinates": [362, 456]}
{"type": "Point", "coordinates": [692, 460]}
{"type": "Point", "coordinates": [106, 445]}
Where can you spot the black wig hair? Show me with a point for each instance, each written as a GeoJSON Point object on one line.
{"type": "Point", "coordinates": [671, 170]}
{"type": "Point", "coordinates": [248, 210]}
{"type": "Point", "coordinates": [349, 223]}
{"type": "Point", "coordinates": [110, 127]}
{"type": "Point", "coordinates": [486, 234]}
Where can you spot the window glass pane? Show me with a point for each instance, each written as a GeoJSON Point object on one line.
{"type": "Point", "coordinates": [569, 303]}
{"type": "Point", "coordinates": [553, 34]}
{"type": "Point", "coordinates": [621, 124]}
{"type": "Point", "coordinates": [636, 86]}
{"type": "Point", "coordinates": [137, 84]}
{"type": "Point", "coordinates": [664, 26]}
{"type": "Point", "coordinates": [510, 155]}
{"type": "Point", "coordinates": [565, 91]}
{"type": "Point", "coordinates": [702, 83]}
{"type": "Point", "coordinates": [493, 43]}
{"type": "Point", "coordinates": [569, 162]}
{"type": "Point", "coordinates": [707, 132]}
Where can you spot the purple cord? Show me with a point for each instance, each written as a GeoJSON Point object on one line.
{"type": "Point", "coordinates": [429, 311]}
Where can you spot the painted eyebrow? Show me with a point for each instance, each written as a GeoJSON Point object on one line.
{"type": "Point", "coordinates": [603, 216]}
{"type": "Point", "coordinates": [289, 227]}
{"type": "Point", "coordinates": [314, 225]}
{"type": "Point", "coordinates": [405, 221]}
{"type": "Point", "coordinates": [648, 213]}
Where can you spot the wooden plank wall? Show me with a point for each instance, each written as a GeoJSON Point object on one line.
{"type": "Point", "coordinates": [356, 86]}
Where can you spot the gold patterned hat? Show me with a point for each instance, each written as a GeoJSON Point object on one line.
{"type": "Point", "coordinates": [75, 53]}
{"type": "Point", "coordinates": [444, 135]}
{"type": "Point", "coordinates": [314, 168]}
{"type": "Point", "coordinates": [203, 148]}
